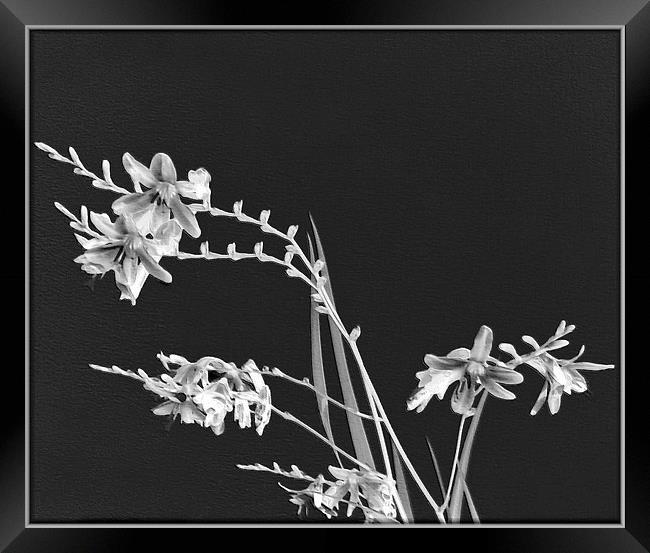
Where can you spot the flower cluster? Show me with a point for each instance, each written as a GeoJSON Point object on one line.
{"type": "Point", "coordinates": [476, 368]}
{"type": "Point", "coordinates": [205, 391]}
{"type": "Point", "coordinates": [470, 369]}
{"type": "Point", "coordinates": [363, 489]}
{"type": "Point", "coordinates": [144, 231]}
{"type": "Point", "coordinates": [561, 376]}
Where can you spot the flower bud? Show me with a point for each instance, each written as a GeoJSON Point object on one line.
{"type": "Point", "coordinates": [291, 231]}
{"type": "Point", "coordinates": [356, 332]}
{"type": "Point", "coordinates": [264, 216]}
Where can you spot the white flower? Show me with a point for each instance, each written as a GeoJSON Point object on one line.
{"type": "Point", "coordinates": [561, 377]}
{"type": "Point", "coordinates": [151, 209]}
{"type": "Point", "coordinates": [122, 249]}
{"type": "Point", "coordinates": [470, 369]}
{"type": "Point", "coordinates": [375, 488]}
{"type": "Point", "coordinates": [242, 390]}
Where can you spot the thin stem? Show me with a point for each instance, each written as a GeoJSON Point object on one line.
{"type": "Point", "coordinates": [370, 393]}
{"type": "Point", "coordinates": [279, 374]}
{"type": "Point", "coordinates": [288, 416]}
{"type": "Point", "coordinates": [378, 412]}
{"type": "Point", "coordinates": [456, 503]}
{"type": "Point", "coordinates": [238, 256]}
{"type": "Point", "coordinates": [455, 462]}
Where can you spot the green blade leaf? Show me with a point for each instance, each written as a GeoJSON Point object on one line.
{"type": "Point", "coordinates": [318, 371]}
{"type": "Point", "coordinates": [357, 430]}
{"type": "Point", "coordinates": [402, 488]}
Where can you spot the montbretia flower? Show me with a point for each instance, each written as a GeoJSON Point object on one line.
{"type": "Point", "coordinates": [561, 377]}
{"type": "Point", "coordinates": [122, 249]}
{"type": "Point", "coordinates": [310, 498]}
{"type": "Point", "coordinates": [152, 208]}
{"type": "Point", "coordinates": [182, 405]}
{"type": "Point", "coordinates": [470, 369]}
{"type": "Point", "coordinates": [375, 488]}
{"type": "Point", "coordinates": [218, 388]}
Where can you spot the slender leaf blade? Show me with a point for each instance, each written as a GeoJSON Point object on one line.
{"type": "Point", "coordinates": [436, 466]}
{"type": "Point", "coordinates": [357, 430]}
{"type": "Point", "coordinates": [472, 507]}
{"type": "Point", "coordinates": [318, 370]}
{"type": "Point", "coordinates": [402, 488]}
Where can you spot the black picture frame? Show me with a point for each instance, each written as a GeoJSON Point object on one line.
{"type": "Point", "coordinates": [633, 18]}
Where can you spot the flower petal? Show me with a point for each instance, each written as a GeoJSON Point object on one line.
{"type": "Point", "coordinates": [184, 216]}
{"type": "Point", "coordinates": [162, 168]}
{"type": "Point", "coordinates": [433, 382]}
{"type": "Point", "coordinates": [138, 172]}
{"type": "Point", "coordinates": [496, 389]}
{"type": "Point", "coordinates": [540, 399]}
{"type": "Point", "coordinates": [505, 376]}
{"type": "Point", "coordinates": [197, 187]}
{"type": "Point", "coordinates": [134, 203]}
{"type": "Point", "coordinates": [554, 399]}
{"type": "Point", "coordinates": [107, 227]}
{"type": "Point", "coordinates": [443, 363]}
{"type": "Point", "coordinates": [459, 353]}
{"type": "Point", "coordinates": [482, 344]}
{"type": "Point", "coordinates": [152, 267]}
{"type": "Point", "coordinates": [584, 366]}
{"type": "Point", "coordinates": [166, 408]}
{"type": "Point", "coordinates": [463, 398]}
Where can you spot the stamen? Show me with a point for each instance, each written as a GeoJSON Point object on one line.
{"type": "Point", "coordinates": [119, 255]}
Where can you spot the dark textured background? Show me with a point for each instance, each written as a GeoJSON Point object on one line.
{"type": "Point", "coordinates": [458, 178]}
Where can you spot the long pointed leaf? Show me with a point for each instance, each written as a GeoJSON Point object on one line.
{"type": "Point", "coordinates": [436, 466]}
{"type": "Point", "coordinates": [402, 488]}
{"type": "Point", "coordinates": [318, 371]}
{"type": "Point", "coordinates": [468, 497]}
{"type": "Point", "coordinates": [456, 502]}
{"type": "Point", "coordinates": [357, 430]}
{"type": "Point", "coordinates": [472, 507]}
